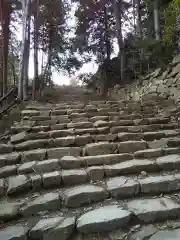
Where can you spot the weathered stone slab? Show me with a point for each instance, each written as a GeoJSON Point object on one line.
{"type": "Point", "coordinates": [61, 133]}
{"type": "Point", "coordinates": [83, 140]}
{"type": "Point", "coordinates": [158, 120]}
{"type": "Point", "coordinates": [44, 226]}
{"type": "Point", "coordinates": [100, 148]}
{"type": "Point", "coordinates": [30, 113]}
{"type": "Point", "coordinates": [59, 112]}
{"type": "Point", "coordinates": [106, 159]}
{"type": "Point", "coordinates": [47, 165]}
{"type": "Point", "coordinates": [149, 153]}
{"type": "Point", "coordinates": [75, 176]}
{"type": "Point", "coordinates": [131, 146]}
{"type": "Point", "coordinates": [84, 194]}
{"type": "Point", "coordinates": [19, 137]}
{"type": "Point", "coordinates": [98, 118]}
{"type": "Point", "coordinates": [68, 162]}
{"type": "Point", "coordinates": [169, 162]}
{"type": "Point", "coordinates": [144, 233]}
{"type": "Point", "coordinates": [103, 219]}
{"type": "Point", "coordinates": [159, 184]}
{"type": "Point", "coordinates": [174, 142]}
{"type": "Point", "coordinates": [36, 136]}
{"type": "Point", "coordinates": [131, 166]}
{"type": "Point", "coordinates": [8, 171]}
{"type": "Point", "coordinates": [150, 136]}
{"type": "Point", "coordinates": [86, 131]}
{"type": "Point", "coordinates": [103, 130]}
{"type": "Point", "coordinates": [105, 137]}
{"type": "Point", "coordinates": [9, 211]}
{"type": "Point", "coordinates": [18, 184]}
{"type": "Point", "coordinates": [63, 151]}
{"type": "Point", "coordinates": [173, 234]}
{"type": "Point", "coordinates": [121, 187]}
{"type": "Point", "coordinates": [101, 123]}
{"type": "Point", "coordinates": [51, 179]}
{"type": "Point", "coordinates": [16, 232]}
{"type": "Point", "coordinates": [45, 202]}
{"type": "Point", "coordinates": [118, 129]}
{"type": "Point", "coordinates": [171, 150]}
{"type": "Point", "coordinates": [151, 210]}
{"type": "Point", "coordinates": [37, 154]}
{"type": "Point", "coordinates": [31, 144]}
{"type": "Point", "coordinates": [59, 126]}
{"type": "Point", "coordinates": [36, 180]}
{"type": "Point", "coordinates": [6, 148]}
{"type": "Point", "coordinates": [27, 167]}
{"type": "Point", "coordinates": [64, 229]}
{"type": "Point", "coordinates": [141, 121]}
{"type": "Point", "coordinates": [125, 136]}
{"type": "Point", "coordinates": [65, 141]}
{"type": "Point", "coordinates": [80, 125]}
{"type": "Point", "coordinates": [95, 173]}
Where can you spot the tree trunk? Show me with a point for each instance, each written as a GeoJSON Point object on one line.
{"type": "Point", "coordinates": [117, 6]}
{"type": "Point", "coordinates": [138, 23]}
{"type": "Point", "coordinates": [156, 20]}
{"type": "Point", "coordinates": [26, 65]}
{"type": "Point", "coordinates": [36, 33]}
{"type": "Point", "coordinates": [23, 59]}
{"type": "Point", "coordinates": [6, 10]}
{"type": "Point", "coordinates": [107, 37]}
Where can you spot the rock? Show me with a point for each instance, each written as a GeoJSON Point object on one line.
{"type": "Point", "coordinates": [106, 159]}
{"type": "Point", "coordinates": [83, 140]}
{"type": "Point", "coordinates": [100, 123]}
{"type": "Point", "coordinates": [150, 136]}
{"type": "Point", "coordinates": [64, 230]}
{"type": "Point", "coordinates": [18, 184]}
{"type": "Point", "coordinates": [121, 187]}
{"type": "Point", "coordinates": [80, 125]}
{"type": "Point", "coordinates": [103, 219]}
{"type": "Point", "coordinates": [31, 144]}
{"type": "Point", "coordinates": [68, 162]}
{"type": "Point", "coordinates": [159, 184]}
{"type": "Point", "coordinates": [170, 162]}
{"type": "Point", "coordinates": [27, 167]}
{"type": "Point", "coordinates": [151, 210]}
{"type": "Point", "coordinates": [131, 146]}
{"type": "Point", "coordinates": [36, 180]}
{"type": "Point", "coordinates": [130, 136]}
{"type": "Point", "coordinates": [8, 171]}
{"type": "Point", "coordinates": [61, 133]}
{"type": "Point", "coordinates": [16, 232]}
{"type": "Point", "coordinates": [51, 179]}
{"type": "Point", "coordinates": [149, 153]}
{"type": "Point", "coordinates": [131, 166]}
{"type": "Point", "coordinates": [9, 211]}
{"type": "Point", "coordinates": [2, 187]}
{"type": "Point", "coordinates": [99, 118]}
{"type": "Point", "coordinates": [30, 113]}
{"type": "Point", "coordinates": [64, 151]}
{"type": "Point", "coordinates": [100, 148]}
{"type": "Point", "coordinates": [37, 154]}
{"type": "Point", "coordinates": [45, 202]}
{"type": "Point", "coordinates": [95, 173]}
{"type": "Point", "coordinates": [44, 226]}
{"type": "Point", "coordinates": [20, 137]}
{"type": "Point", "coordinates": [144, 233]}
{"type": "Point", "coordinates": [84, 194]}
{"type": "Point", "coordinates": [6, 148]}
{"type": "Point", "coordinates": [47, 166]}
{"type": "Point", "coordinates": [166, 235]}
{"type": "Point", "coordinates": [76, 176]}
{"type": "Point", "coordinates": [65, 141]}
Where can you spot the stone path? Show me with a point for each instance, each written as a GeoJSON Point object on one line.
{"type": "Point", "coordinates": [101, 170]}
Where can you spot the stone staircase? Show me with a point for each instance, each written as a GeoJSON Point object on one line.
{"type": "Point", "coordinates": [104, 170]}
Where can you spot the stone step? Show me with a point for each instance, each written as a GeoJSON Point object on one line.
{"type": "Point", "coordinates": [47, 175]}
{"type": "Point", "coordinates": [63, 138]}
{"type": "Point", "coordinates": [106, 218]}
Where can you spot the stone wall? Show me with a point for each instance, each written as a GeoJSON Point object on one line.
{"type": "Point", "coordinates": [159, 83]}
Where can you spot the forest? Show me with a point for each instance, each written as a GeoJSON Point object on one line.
{"type": "Point", "coordinates": [145, 31]}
